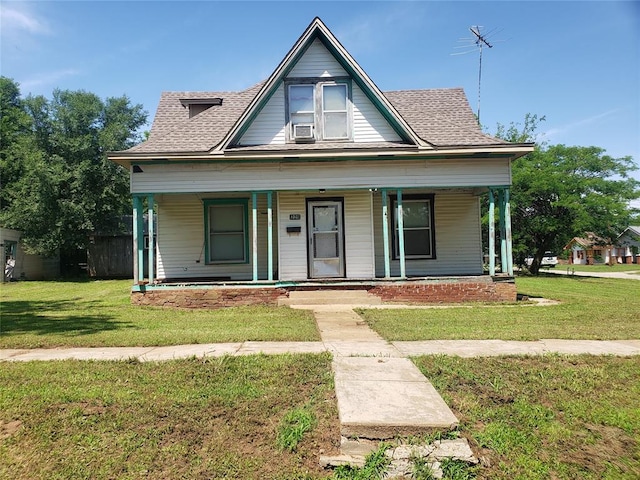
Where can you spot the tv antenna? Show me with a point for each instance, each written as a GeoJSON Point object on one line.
{"type": "Point", "coordinates": [477, 42]}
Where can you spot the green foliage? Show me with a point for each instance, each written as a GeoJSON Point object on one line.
{"type": "Point", "coordinates": [293, 426]}
{"type": "Point", "coordinates": [58, 185]}
{"type": "Point", "coordinates": [375, 465]}
{"type": "Point", "coordinates": [457, 470]}
{"type": "Point", "coordinates": [559, 192]}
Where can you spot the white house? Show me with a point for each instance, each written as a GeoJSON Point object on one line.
{"type": "Point", "coordinates": [20, 265]}
{"type": "Point", "coordinates": [314, 178]}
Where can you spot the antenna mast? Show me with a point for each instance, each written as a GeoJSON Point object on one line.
{"type": "Point", "coordinates": [480, 41]}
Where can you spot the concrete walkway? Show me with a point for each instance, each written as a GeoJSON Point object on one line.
{"type": "Point", "coordinates": [380, 392]}
{"type": "Point", "coordinates": [566, 270]}
{"type": "Point", "coordinates": [461, 348]}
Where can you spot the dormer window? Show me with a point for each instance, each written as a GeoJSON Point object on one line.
{"type": "Point", "coordinates": [318, 110]}
{"type": "Point", "coordinates": [199, 105]}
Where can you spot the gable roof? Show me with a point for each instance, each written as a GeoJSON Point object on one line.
{"type": "Point", "coordinates": [633, 233]}
{"type": "Point", "coordinates": [588, 241]}
{"type": "Point", "coordinates": [425, 120]}
{"type": "Point", "coordinates": [318, 30]}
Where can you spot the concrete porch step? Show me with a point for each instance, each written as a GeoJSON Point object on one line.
{"type": "Point", "coordinates": [330, 297]}
{"type": "Point", "coordinates": [380, 398]}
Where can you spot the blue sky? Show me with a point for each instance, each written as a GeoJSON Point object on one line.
{"type": "Point", "coordinates": [577, 63]}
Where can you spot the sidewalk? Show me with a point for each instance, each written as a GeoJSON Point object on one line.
{"type": "Point", "coordinates": [462, 348]}
{"type": "Point", "coordinates": [567, 270]}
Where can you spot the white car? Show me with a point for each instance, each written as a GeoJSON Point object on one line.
{"type": "Point", "coordinates": [549, 260]}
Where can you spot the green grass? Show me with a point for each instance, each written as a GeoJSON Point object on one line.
{"type": "Point", "coordinates": [590, 308]}
{"type": "Point", "coordinates": [214, 418]}
{"type": "Point", "coordinates": [294, 425]}
{"type": "Point", "coordinates": [561, 417]}
{"type": "Point", "coordinates": [99, 313]}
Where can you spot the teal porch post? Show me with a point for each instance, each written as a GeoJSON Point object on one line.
{"type": "Point", "coordinates": [403, 273]}
{"type": "Point", "coordinates": [136, 266]}
{"type": "Point", "coordinates": [385, 234]}
{"type": "Point", "coordinates": [270, 235]}
{"type": "Point", "coordinates": [492, 233]}
{"type": "Point", "coordinates": [507, 229]}
{"type": "Point", "coordinates": [151, 232]}
{"type": "Point", "coordinates": [503, 238]}
{"type": "Point", "coordinates": [254, 219]}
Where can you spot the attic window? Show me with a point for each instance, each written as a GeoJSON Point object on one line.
{"type": "Point", "coordinates": [199, 105]}
{"type": "Point", "coordinates": [318, 109]}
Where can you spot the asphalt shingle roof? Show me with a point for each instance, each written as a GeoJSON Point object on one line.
{"type": "Point", "coordinates": [441, 117]}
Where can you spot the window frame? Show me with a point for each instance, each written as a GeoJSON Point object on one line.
{"type": "Point", "coordinates": [318, 103]}
{"type": "Point", "coordinates": [213, 202]}
{"type": "Point", "coordinates": [423, 197]}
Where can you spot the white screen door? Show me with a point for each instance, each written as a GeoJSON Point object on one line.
{"type": "Point", "coordinates": [326, 243]}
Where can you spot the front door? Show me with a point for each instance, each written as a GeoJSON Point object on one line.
{"type": "Point", "coordinates": [326, 241]}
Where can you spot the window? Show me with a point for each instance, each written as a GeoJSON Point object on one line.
{"type": "Point", "coordinates": [324, 106]}
{"type": "Point", "coordinates": [417, 225]}
{"type": "Point", "coordinates": [226, 231]}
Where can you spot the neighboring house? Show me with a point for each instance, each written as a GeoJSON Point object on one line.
{"type": "Point", "coordinates": [588, 250]}
{"type": "Point", "coordinates": [315, 178]}
{"type": "Point", "coordinates": [628, 245]}
{"type": "Point", "coordinates": [19, 265]}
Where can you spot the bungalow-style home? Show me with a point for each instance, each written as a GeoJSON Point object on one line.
{"type": "Point", "coordinates": [588, 250]}
{"type": "Point", "coordinates": [628, 245]}
{"type": "Point", "coordinates": [316, 179]}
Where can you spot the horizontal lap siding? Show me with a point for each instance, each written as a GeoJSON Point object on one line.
{"type": "Point", "coordinates": [358, 234]}
{"type": "Point", "coordinates": [368, 123]}
{"type": "Point", "coordinates": [181, 239]}
{"type": "Point", "coordinates": [233, 177]}
{"type": "Point", "coordinates": [268, 126]}
{"type": "Point", "coordinates": [317, 61]}
{"type": "Point", "coordinates": [458, 238]}
{"type": "Point", "coordinates": [293, 261]}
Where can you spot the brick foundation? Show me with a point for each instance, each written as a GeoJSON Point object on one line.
{"type": "Point", "coordinates": [217, 297]}
{"type": "Point", "coordinates": [456, 291]}
{"type": "Point", "coordinates": [449, 290]}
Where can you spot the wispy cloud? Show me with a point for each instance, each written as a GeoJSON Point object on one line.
{"type": "Point", "coordinates": [47, 78]}
{"type": "Point", "coordinates": [554, 132]}
{"type": "Point", "coordinates": [16, 18]}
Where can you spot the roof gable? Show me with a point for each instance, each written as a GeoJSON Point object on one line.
{"type": "Point", "coordinates": [316, 32]}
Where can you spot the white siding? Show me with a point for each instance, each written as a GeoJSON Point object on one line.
{"type": "Point", "coordinates": [293, 262]}
{"type": "Point", "coordinates": [357, 232]}
{"type": "Point", "coordinates": [268, 126]}
{"type": "Point", "coordinates": [180, 236]}
{"type": "Point", "coordinates": [239, 176]}
{"type": "Point", "coordinates": [368, 123]}
{"type": "Point", "coordinates": [317, 61]}
{"type": "Point", "coordinates": [28, 266]}
{"type": "Point", "coordinates": [457, 234]}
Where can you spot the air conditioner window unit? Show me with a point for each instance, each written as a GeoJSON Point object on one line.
{"type": "Point", "coordinates": [303, 131]}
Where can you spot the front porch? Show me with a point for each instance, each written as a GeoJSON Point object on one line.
{"type": "Point", "coordinates": [425, 290]}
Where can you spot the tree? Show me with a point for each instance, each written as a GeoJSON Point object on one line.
{"type": "Point", "coordinates": [559, 192]}
{"type": "Point", "coordinates": [66, 188]}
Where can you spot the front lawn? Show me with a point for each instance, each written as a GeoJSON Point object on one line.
{"type": "Point", "coordinates": [213, 418]}
{"type": "Point", "coordinates": [99, 313]}
{"type": "Point", "coordinates": [545, 417]}
{"type": "Point", "coordinates": [590, 308]}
